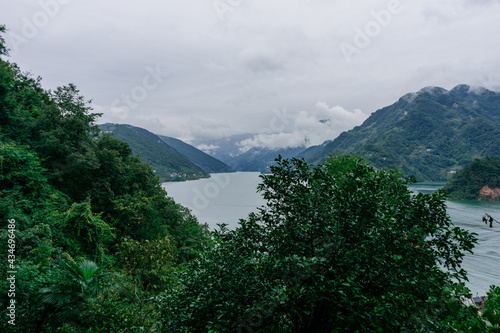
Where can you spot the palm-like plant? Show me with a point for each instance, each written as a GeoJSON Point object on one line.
{"type": "Point", "coordinates": [76, 285]}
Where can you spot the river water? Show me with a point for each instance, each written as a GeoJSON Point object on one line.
{"type": "Point", "coordinates": [229, 197]}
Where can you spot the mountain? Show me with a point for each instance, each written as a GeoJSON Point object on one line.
{"type": "Point", "coordinates": [478, 180]}
{"type": "Point", "coordinates": [167, 162]}
{"type": "Point", "coordinates": [260, 159]}
{"type": "Point", "coordinates": [255, 159]}
{"type": "Point", "coordinates": [223, 149]}
{"type": "Point", "coordinates": [203, 160]}
{"type": "Point", "coordinates": [429, 134]}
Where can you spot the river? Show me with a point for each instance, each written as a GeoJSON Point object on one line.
{"type": "Point", "coordinates": [229, 197]}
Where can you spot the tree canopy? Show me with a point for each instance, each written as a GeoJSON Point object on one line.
{"type": "Point", "coordinates": [339, 247]}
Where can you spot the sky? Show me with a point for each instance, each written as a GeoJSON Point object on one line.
{"type": "Point", "coordinates": [292, 73]}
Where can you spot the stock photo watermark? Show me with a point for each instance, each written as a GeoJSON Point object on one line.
{"type": "Point", "coordinates": [211, 190]}
{"type": "Point", "coordinates": [139, 93]}
{"type": "Point", "coordinates": [222, 7]}
{"type": "Point", "coordinates": [363, 36]}
{"type": "Point", "coordinates": [11, 272]}
{"type": "Point", "coordinates": [278, 123]}
{"type": "Point", "coordinates": [31, 26]}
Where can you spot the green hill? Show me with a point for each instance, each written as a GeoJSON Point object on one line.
{"type": "Point", "coordinates": [203, 160]}
{"type": "Point", "coordinates": [478, 180]}
{"type": "Point", "coordinates": [428, 134]}
{"type": "Point", "coordinates": [167, 162]}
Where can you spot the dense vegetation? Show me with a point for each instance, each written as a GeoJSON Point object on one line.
{"type": "Point", "coordinates": [93, 236]}
{"type": "Point", "coordinates": [166, 162]}
{"type": "Point", "coordinates": [427, 134]}
{"type": "Point", "coordinates": [341, 247]}
{"type": "Point", "coordinates": [467, 183]}
{"type": "Point", "coordinates": [99, 247]}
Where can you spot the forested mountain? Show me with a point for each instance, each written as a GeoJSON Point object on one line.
{"type": "Point", "coordinates": [478, 180]}
{"type": "Point", "coordinates": [427, 134]}
{"type": "Point", "coordinates": [203, 160]}
{"type": "Point", "coordinates": [167, 162]}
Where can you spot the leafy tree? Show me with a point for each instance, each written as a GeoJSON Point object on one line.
{"type": "Point", "coordinates": [3, 48]}
{"type": "Point", "coordinates": [85, 233]}
{"type": "Point", "coordinates": [339, 247]}
{"type": "Point", "coordinates": [70, 188]}
{"type": "Point", "coordinates": [147, 265]}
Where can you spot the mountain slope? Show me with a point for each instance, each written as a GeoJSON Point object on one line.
{"type": "Point", "coordinates": [478, 180]}
{"type": "Point", "coordinates": [427, 134]}
{"type": "Point", "coordinates": [203, 160]}
{"type": "Point", "coordinates": [168, 163]}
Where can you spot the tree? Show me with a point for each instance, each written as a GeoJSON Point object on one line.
{"type": "Point", "coordinates": [3, 49]}
{"type": "Point", "coordinates": [73, 289]}
{"type": "Point", "coordinates": [338, 247]}
{"type": "Point", "coordinates": [69, 188]}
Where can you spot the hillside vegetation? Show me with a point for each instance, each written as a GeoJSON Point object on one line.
{"type": "Point", "coordinates": [426, 134]}
{"type": "Point", "coordinates": [478, 180]}
{"type": "Point", "coordinates": [86, 227]}
{"type": "Point", "coordinates": [168, 163]}
{"type": "Point", "coordinates": [203, 160]}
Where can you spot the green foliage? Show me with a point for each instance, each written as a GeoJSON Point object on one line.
{"type": "Point", "coordinates": [3, 48]}
{"type": "Point", "coordinates": [491, 311]}
{"type": "Point", "coordinates": [147, 262]}
{"type": "Point", "coordinates": [147, 267]}
{"type": "Point", "coordinates": [20, 170]}
{"type": "Point", "coordinates": [68, 188]}
{"type": "Point", "coordinates": [86, 233]}
{"type": "Point", "coordinates": [467, 183]}
{"type": "Point", "coordinates": [339, 247]}
{"type": "Point", "coordinates": [73, 287]}
{"type": "Point", "coordinates": [469, 318]}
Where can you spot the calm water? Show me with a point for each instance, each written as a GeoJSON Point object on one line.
{"type": "Point", "coordinates": [228, 197]}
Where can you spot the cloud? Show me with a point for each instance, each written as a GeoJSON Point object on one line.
{"type": "Point", "coordinates": [307, 128]}
{"type": "Point", "coordinates": [208, 148]}
{"type": "Point", "coordinates": [225, 75]}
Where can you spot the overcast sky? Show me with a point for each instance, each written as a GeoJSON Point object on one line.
{"type": "Point", "coordinates": [294, 72]}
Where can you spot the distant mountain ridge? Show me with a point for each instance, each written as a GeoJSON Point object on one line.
{"type": "Point", "coordinates": [429, 134]}
{"type": "Point", "coordinates": [256, 159]}
{"type": "Point", "coordinates": [167, 162]}
{"type": "Point", "coordinates": [260, 159]}
{"type": "Point", "coordinates": [203, 160]}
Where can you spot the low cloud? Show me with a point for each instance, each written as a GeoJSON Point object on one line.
{"type": "Point", "coordinates": [208, 148]}
{"type": "Point", "coordinates": [308, 128]}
